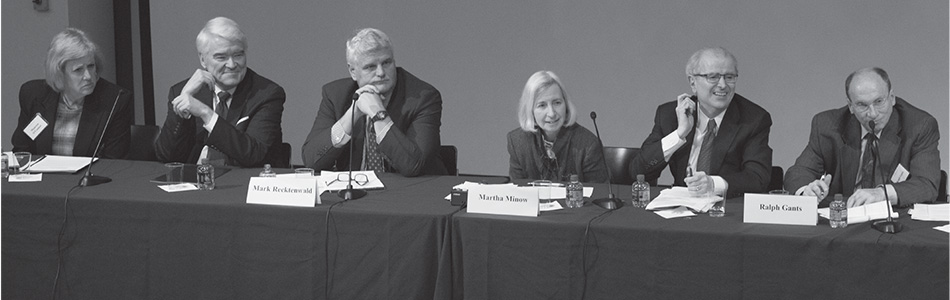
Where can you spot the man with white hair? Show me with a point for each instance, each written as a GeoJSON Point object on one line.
{"type": "Point", "coordinates": [397, 116]}
{"type": "Point", "coordinates": [225, 112]}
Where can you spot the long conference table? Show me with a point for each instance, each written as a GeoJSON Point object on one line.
{"type": "Point", "coordinates": [128, 239]}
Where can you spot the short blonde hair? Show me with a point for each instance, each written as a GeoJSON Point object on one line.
{"type": "Point", "coordinates": [220, 27]}
{"type": "Point", "coordinates": [69, 44]}
{"type": "Point", "coordinates": [538, 81]}
{"type": "Point", "coordinates": [367, 40]}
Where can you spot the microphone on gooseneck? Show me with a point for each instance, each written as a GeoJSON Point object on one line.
{"type": "Point", "coordinates": [88, 179]}
{"type": "Point", "coordinates": [611, 202]}
{"type": "Point", "coordinates": [888, 225]}
{"type": "Point", "coordinates": [349, 193]}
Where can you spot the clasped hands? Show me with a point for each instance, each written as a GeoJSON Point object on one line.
{"type": "Point", "coordinates": [369, 101]}
{"type": "Point", "coordinates": [186, 105]}
{"type": "Point", "coordinates": [820, 188]}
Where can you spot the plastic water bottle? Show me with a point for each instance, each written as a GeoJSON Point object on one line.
{"type": "Point", "coordinates": [6, 172]}
{"type": "Point", "coordinates": [267, 172]}
{"type": "Point", "coordinates": [839, 212]}
{"type": "Point", "coordinates": [205, 175]}
{"type": "Point", "coordinates": [641, 192]}
{"type": "Point", "coordinates": [575, 193]}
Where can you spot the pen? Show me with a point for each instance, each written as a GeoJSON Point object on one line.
{"type": "Point", "coordinates": [689, 171]}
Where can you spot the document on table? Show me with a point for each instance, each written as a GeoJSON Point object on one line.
{"type": "Point", "coordinates": [336, 181]}
{"type": "Point", "coordinates": [930, 212]}
{"type": "Point", "coordinates": [944, 228]}
{"type": "Point", "coordinates": [679, 196]}
{"type": "Point", "coordinates": [58, 164]}
{"type": "Point", "coordinates": [864, 213]}
{"type": "Point", "coordinates": [677, 212]}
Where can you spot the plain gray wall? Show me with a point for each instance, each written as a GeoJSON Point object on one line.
{"type": "Point", "coordinates": [619, 58]}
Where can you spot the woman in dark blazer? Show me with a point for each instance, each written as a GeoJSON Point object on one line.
{"type": "Point", "coordinates": [549, 144]}
{"type": "Point", "coordinates": [66, 113]}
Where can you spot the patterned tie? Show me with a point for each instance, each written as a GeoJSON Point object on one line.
{"type": "Point", "coordinates": [374, 159]}
{"type": "Point", "coordinates": [866, 176]}
{"type": "Point", "coordinates": [705, 153]}
{"type": "Point", "coordinates": [215, 157]}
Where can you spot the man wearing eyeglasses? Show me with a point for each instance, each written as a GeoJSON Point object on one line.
{"type": "Point", "coordinates": [839, 155]}
{"type": "Point", "coordinates": [713, 140]}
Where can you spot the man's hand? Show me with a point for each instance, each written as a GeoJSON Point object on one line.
{"type": "Point", "coordinates": [866, 196]}
{"type": "Point", "coordinates": [699, 184]}
{"type": "Point", "coordinates": [369, 101]}
{"type": "Point", "coordinates": [199, 78]}
{"type": "Point", "coordinates": [684, 115]}
{"type": "Point", "coordinates": [186, 106]}
{"type": "Point", "coordinates": [819, 187]}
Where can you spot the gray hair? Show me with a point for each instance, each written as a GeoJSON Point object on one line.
{"type": "Point", "coordinates": [367, 40]}
{"type": "Point", "coordinates": [69, 44]}
{"type": "Point", "coordinates": [693, 64]}
{"type": "Point", "coordinates": [223, 28]}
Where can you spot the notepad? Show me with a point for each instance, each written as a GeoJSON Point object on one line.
{"type": "Point", "coordinates": [58, 164]}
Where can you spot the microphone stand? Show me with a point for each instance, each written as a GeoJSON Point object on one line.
{"type": "Point", "coordinates": [349, 193]}
{"type": "Point", "coordinates": [611, 202]}
{"type": "Point", "coordinates": [88, 179]}
{"type": "Point", "coordinates": [888, 225]}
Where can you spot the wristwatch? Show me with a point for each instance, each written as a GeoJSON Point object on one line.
{"type": "Point", "coordinates": [380, 115]}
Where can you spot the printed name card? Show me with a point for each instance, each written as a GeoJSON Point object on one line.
{"type": "Point", "coordinates": [286, 191]}
{"type": "Point", "coordinates": [780, 209]}
{"type": "Point", "coordinates": [503, 199]}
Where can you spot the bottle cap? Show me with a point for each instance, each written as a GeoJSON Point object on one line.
{"type": "Point", "coordinates": [574, 177]}
{"type": "Point", "coordinates": [640, 177]}
{"type": "Point", "coordinates": [838, 197]}
{"type": "Point", "coordinates": [204, 161]}
{"type": "Point", "coordinates": [267, 166]}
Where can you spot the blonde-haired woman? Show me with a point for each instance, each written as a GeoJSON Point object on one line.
{"type": "Point", "coordinates": [549, 144]}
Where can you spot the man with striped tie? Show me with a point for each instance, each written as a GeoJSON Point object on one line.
{"type": "Point", "coordinates": [225, 112]}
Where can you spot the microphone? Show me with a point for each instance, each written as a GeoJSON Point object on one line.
{"type": "Point", "coordinates": [349, 193]}
{"type": "Point", "coordinates": [888, 225]}
{"type": "Point", "coordinates": [88, 179]}
{"type": "Point", "coordinates": [611, 202]}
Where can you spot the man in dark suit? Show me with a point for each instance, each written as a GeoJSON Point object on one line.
{"type": "Point", "coordinates": [839, 159]}
{"type": "Point", "coordinates": [225, 112]}
{"type": "Point", "coordinates": [727, 150]}
{"type": "Point", "coordinates": [397, 115]}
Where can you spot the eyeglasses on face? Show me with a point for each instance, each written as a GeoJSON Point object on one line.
{"type": "Point", "coordinates": [359, 179]}
{"type": "Point", "coordinates": [878, 104]}
{"type": "Point", "coordinates": [714, 77]}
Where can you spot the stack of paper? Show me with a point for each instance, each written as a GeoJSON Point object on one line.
{"type": "Point", "coordinates": [930, 212]}
{"type": "Point", "coordinates": [679, 196]}
{"type": "Point", "coordinates": [58, 164]}
{"type": "Point", "coordinates": [864, 213]}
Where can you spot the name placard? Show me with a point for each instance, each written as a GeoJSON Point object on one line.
{"type": "Point", "coordinates": [503, 199]}
{"type": "Point", "coordinates": [780, 209]}
{"type": "Point", "coordinates": [286, 191]}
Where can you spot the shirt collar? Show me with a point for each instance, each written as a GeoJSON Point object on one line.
{"type": "Point", "coordinates": [703, 119]}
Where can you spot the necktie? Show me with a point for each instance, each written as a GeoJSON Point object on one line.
{"type": "Point", "coordinates": [705, 153]}
{"type": "Point", "coordinates": [215, 157]}
{"type": "Point", "coordinates": [866, 177]}
{"type": "Point", "coordinates": [374, 159]}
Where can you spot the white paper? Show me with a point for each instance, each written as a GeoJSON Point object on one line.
{"type": "Point", "coordinates": [561, 192]}
{"type": "Point", "coordinates": [678, 212]}
{"type": "Point", "coordinates": [179, 187]}
{"type": "Point", "coordinates": [58, 164]}
{"type": "Point", "coordinates": [503, 200]}
{"type": "Point", "coordinates": [550, 206]}
{"type": "Point", "coordinates": [464, 186]}
{"type": "Point", "coordinates": [338, 185]}
{"type": "Point", "coordinates": [864, 213]}
{"type": "Point", "coordinates": [900, 174]}
{"type": "Point", "coordinates": [944, 228]}
{"type": "Point", "coordinates": [25, 178]}
{"type": "Point", "coordinates": [679, 196]}
{"type": "Point", "coordinates": [930, 212]}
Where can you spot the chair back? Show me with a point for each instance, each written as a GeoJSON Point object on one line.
{"type": "Point", "coordinates": [449, 155]}
{"type": "Point", "coordinates": [279, 155]}
{"type": "Point", "coordinates": [618, 158]}
{"type": "Point", "coordinates": [143, 142]}
{"type": "Point", "coordinates": [942, 188]}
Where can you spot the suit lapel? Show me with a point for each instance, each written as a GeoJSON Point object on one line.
{"type": "Point", "coordinates": [239, 99]}
{"type": "Point", "coordinates": [850, 153]}
{"type": "Point", "coordinates": [89, 125]}
{"type": "Point", "coordinates": [889, 145]}
{"type": "Point", "coordinates": [727, 131]}
{"type": "Point", "coordinates": [47, 108]}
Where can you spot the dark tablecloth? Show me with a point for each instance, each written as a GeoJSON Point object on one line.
{"type": "Point", "coordinates": [128, 239]}
{"type": "Point", "coordinates": [635, 254]}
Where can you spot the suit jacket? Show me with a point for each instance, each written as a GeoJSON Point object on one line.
{"type": "Point", "coordinates": [38, 97]}
{"type": "Point", "coordinates": [741, 153]}
{"type": "Point", "coordinates": [909, 138]}
{"type": "Point", "coordinates": [411, 146]}
{"type": "Point", "coordinates": [246, 137]}
{"type": "Point", "coordinates": [577, 150]}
